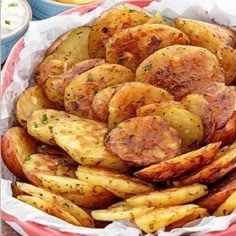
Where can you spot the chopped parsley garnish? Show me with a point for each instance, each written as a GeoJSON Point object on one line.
{"type": "Point", "coordinates": [50, 127]}
{"type": "Point", "coordinates": [13, 4]}
{"type": "Point", "coordinates": [45, 118]}
{"type": "Point", "coordinates": [148, 67]}
{"type": "Point", "coordinates": [28, 158]}
{"type": "Point", "coordinates": [23, 121]}
{"type": "Point", "coordinates": [35, 125]}
{"type": "Point", "coordinates": [96, 142]}
{"type": "Point", "coordinates": [130, 11]}
{"type": "Point", "coordinates": [7, 22]}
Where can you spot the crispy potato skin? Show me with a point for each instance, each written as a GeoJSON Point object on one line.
{"type": "Point", "coordinates": [142, 141]}
{"type": "Point", "coordinates": [80, 92]}
{"type": "Point", "coordinates": [54, 87]}
{"type": "Point", "coordinates": [111, 21]}
{"type": "Point", "coordinates": [218, 39]}
{"type": "Point", "coordinates": [30, 100]}
{"type": "Point", "coordinates": [131, 46]}
{"type": "Point", "coordinates": [188, 125]}
{"type": "Point", "coordinates": [179, 165]}
{"type": "Point", "coordinates": [16, 146]}
{"type": "Point", "coordinates": [180, 69]}
{"type": "Point", "coordinates": [219, 193]}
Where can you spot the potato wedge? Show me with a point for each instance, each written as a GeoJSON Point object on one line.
{"type": "Point", "coordinates": [81, 193]}
{"type": "Point", "coordinates": [16, 145]}
{"type": "Point", "coordinates": [54, 87]}
{"type": "Point", "coordinates": [180, 69]}
{"type": "Point", "coordinates": [169, 197]}
{"type": "Point", "coordinates": [219, 193]}
{"type": "Point", "coordinates": [120, 185]}
{"type": "Point", "coordinates": [83, 140]}
{"type": "Point", "coordinates": [40, 124]}
{"type": "Point", "coordinates": [49, 208]}
{"type": "Point", "coordinates": [80, 92]}
{"type": "Point", "coordinates": [130, 97]}
{"type": "Point", "coordinates": [131, 46]}
{"type": "Point", "coordinates": [101, 100]}
{"type": "Point", "coordinates": [227, 207]}
{"type": "Point", "coordinates": [142, 141]}
{"type": "Point", "coordinates": [220, 40]}
{"type": "Point", "coordinates": [48, 164]}
{"type": "Point", "coordinates": [120, 213]}
{"type": "Point", "coordinates": [157, 19]}
{"type": "Point", "coordinates": [65, 204]}
{"type": "Point", "coordinates": [198, 105]}
{"type": "Point", "coordinates": [119, 17]}
{"type": "Point", "coordinates": [43, 148]}
{"type": "Point", "coordinates": [179, 165]}
{"type": "Point", "coordinates": [197, 214]}
{"type": "Point", "coordinates": [30, 100]}
{"type": "Point", "coordinates": [222, 164]}
{"type": "Point", "coordinates": [67, 50]}
{"type": "Point", "coordinates": [162, 217]}
{"type": "Point", "coordinates": [188, 125]}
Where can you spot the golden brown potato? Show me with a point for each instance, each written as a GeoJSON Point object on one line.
{"type": "Point", "coordinates": [142, 141]}
{"type": "Point", "coordinates": [169, 197]}
{"type": "Point", "coordinates": [197, 214]}
{"type": "Point", "coordinates": [162, 217]}
{"type": "Point", "coordinates": [48, 164]}
{"type": "Point", "coordinates": [197, 104]}
{"type": "Point", "coordinates": [130, 97]}
{"type": "Point", "coordinates": [59, 201]}
{"type": "Point", "coordinates": [157, 19]}
{"type": "Point", "coordinates": [222, 164]}
{"type": "Point", "coordinates": [101, 100]}
{"type": "Point", "coordinates": [227, 207]}
{"type": "Point", "coordinates": [181, 70]}
{"type": "Point", "coordinates": [80, 92]}
{"type": "Point", "coordinates": [16, 146]}
{"type": "Point", "coordinates": [83, 140]}
{"type": "Point", "coordinates": [49, 208]}
{"type": "Point", "coordinates": [30, 100]}
{"type": "Point", "coordinates": [81, 193]}
{"type": "Point", "coordinates": [131, 46]}
{"type": "Point", "coordinates": [188, 125]}
{"type": "Point", "coordinates": [219, 193]}
{"type": "Point", "coordinates": [119, 17]}
{"type": "Point", "coordinates": [54, 88]}
{"type": "Point", "coordinates": [179, 165]}
{"type": "Point", "coordinates": [66, 51]}
{"type": "Point", "coordinates": [40, 124]}
{"type": "Point", "coordinates": [120, 185]}
{"type": "Point", "coordinates": [220, 40]}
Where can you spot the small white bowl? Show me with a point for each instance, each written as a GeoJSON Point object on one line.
{"type": "Point", "coordinates": [8, 41]}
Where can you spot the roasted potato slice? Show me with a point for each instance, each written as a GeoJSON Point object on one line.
{"type": "Point", "coordinates": [179, 165]}
{"type": "Point", "coordinates": [67, 50]}
{"type": "Point", "coordinates": [227, 207]}
{"type": "Point", "coordinates": [180, 69]}
{"type": "Point", "coordinates": [65, 204]}
{"type": "Point", "coordinates": [169, 197]}
{"type": "Point", "coordinates": [220, 40]}
{"type": "Point", "coordinates": [219, 193]}
{"type": "Point", "coordinates": [119, 17]}
{"type": "Point", "coordinates": [54, 88]}
{"type": "Point", "coordinates": [157, 19]}
{"type": "Point", "coordinates": [30, 100]}
{"type": "Point", "coordinates": [198, 105]}
{"type": "Point", "coordinates": [16, 146]}
{"type": "Point", "coordinates": [131, 46]}
{"type": "Point", "coordinates": [83, 140]}
{"type": "Point", "coordinates": [120, 213]}
{"type": "Point", "coordinates": [188, 125]}
{"type": "Point", "coordinates": [80, 92]}
{"type": "Point", "coordinates": [43, 148]}
{"type": "Point", "coordinates": [49, 208]}
{"type": "Point", "coordinates": [81, 193]}
{"type": "Point", "coordinates": [142, 141]}
{"type": "Point", "coordinates": [120, 185]}
{"type": "Point", "coordinates": [48, 164]}
{"type": "Point", "coordinates": [197, 214]}
{"type": "Point", "coordinates": [161, 217]}
{"type": "Point", "coordinates": [40, 124]}
{"type": "Point", "coordinates": [130, 97]}
{"type": "Point", "coordinates": [222, 164]}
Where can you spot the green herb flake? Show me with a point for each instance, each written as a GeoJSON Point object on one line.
{"type": "Point", "coordinates": [151, 226]}
{"type": "Point", "coordinates": [50, 127]}
{"type": "Point", "coordinates": [35, 125]}
{"type": "Point", "coordinates": [28, 158]}
{"type": "Point", "coordinates": [13, 4]}
{"type": "Point", "coordinates": [131, 11]}
{"type": "Point", "coordinates": [52, 116]}
{"type": "Point", "coordinates": [7, 22]}
{"type": "Point", "coordinates": [79, 33]}
{"type": "Point", "coordinates": [94, 53]}
{"type": "Point", "coordinates": [45, 118]}
{"type": "Point", "coordinates": [90, 78]}
{"type": "Point", "coordinates": [148, 67]}
{"type": "Point", "coordinates": [114, 86]}
{"type": "Point", "coordinates": [96, 142]}
{"type": "Point", "coordinates": [23, 121]}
